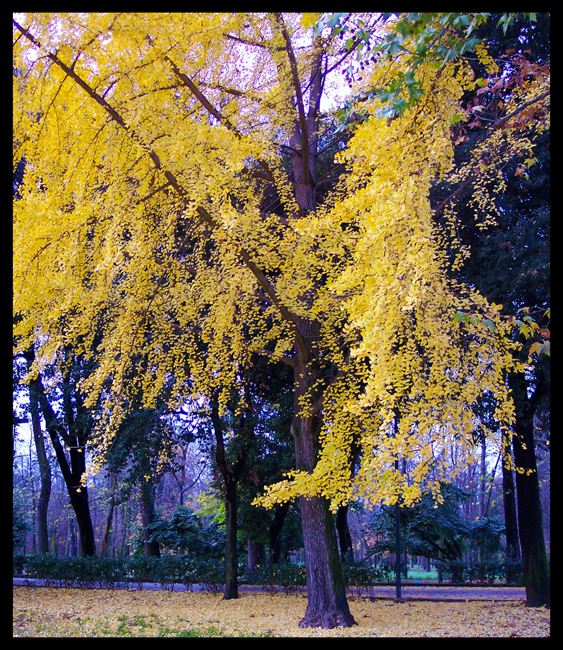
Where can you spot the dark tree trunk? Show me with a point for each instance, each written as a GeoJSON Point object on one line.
{"type": "Point", "coordinates": [510, 516]}
{"type": "Point", "coordinates": [534, 556]}
{"type": "Point", "coordinates": [44, 472]}
{"type": "Point", "coordinates": [255, 554]}
{"type": "Point", "coordinates": [275, 531]}
{"type": "Point", "coordinates": [327, 606]}
{"type": "Point", "coordinates": [104, 550]}
{"type": "Point", "coordinates": [344, 537]}
{"type": "Point", "coordinates": [230, 480]}
{"type": "Point", "coordinates": [72, 472]}
{"type": "Point", "coordinates": [231, 556]}
{"type": "Point", "coordinates": [79, 501]}
{"type": "Point", "coordinates": [152, 548]}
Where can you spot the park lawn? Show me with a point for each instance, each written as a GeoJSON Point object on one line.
{"type": "Point", "coordinates": [55, 612]}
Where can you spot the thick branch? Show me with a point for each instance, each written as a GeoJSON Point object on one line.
{"type": "Point", "coordinates": [455, 193]}
{"type": "Point", "coordinates": [202, 99]}
{"type": "Point", "coordinates": [298, 97]}
{"type": "Point", "coordinates": [202, 212]}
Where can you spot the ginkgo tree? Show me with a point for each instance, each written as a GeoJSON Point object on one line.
{"type": "Point", "coordinates": [154, 145]}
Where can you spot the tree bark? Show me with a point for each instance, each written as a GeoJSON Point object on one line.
{"type": "Point", "coordinates": [104, 550]}
{"type": "Point", "coordinates": [510, 516]}
{"type": "Point", "coordinates": [152, 548]}
{"type": "Point", "coordinates": [44, 472]}
{"type": "Point", "coordinates": [275, 531]}
{"type": "Point", "coordinates": [344, 537]}
{"type": "Point", "coordinates": [534, 556]}
{"type": "Point", "coordinates": [255, 554]}
{"type": "Point", "coordinates": [230, 480]}
{"type": "Point", "coordinates": [231, 556]}
{"type": "Point", "coordinates": [327, 606]}
{"type": "Point", "coordinates": [72, 472]}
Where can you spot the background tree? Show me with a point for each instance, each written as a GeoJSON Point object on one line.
{"type": "Point", "coordinates": [440, 533]}
{"type": "Point", "coordinates": [509, 263]}
{"type": "Point", "coordinates": [42, 460]}
{"type": "Point", "coordinates": [69, 430]}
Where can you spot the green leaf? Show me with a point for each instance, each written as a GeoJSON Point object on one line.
{"type": "Point", "coordinates": [490, 324]}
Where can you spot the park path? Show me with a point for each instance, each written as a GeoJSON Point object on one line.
{"type": "Point", "coordinates": [448, 593]}
{"type": "Point", "coordinates": [408, 592]}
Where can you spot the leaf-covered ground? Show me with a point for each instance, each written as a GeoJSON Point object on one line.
{"type": "Point", "coordinates": [50, 612]}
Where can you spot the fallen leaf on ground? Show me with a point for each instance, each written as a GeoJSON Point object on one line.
{"type": "Point", "coordinates": [52, 612]}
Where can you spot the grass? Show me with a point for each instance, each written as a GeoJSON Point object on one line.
{"type": "Point", "coordinates": [420, 574]}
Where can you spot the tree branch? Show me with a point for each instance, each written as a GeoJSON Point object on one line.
{"type": "Point", "coordinates": [202, 99]}
{"type": "Point", "coordinates": [298, 97]}
{"type": "Point", "coordinates": [201, 211]}
{"type": "Point", "coordinates": [497, 125]}
{"type": "Point", "coordinates": [525, 105]}
{"type": "Point", "coordinates": [455, 193]}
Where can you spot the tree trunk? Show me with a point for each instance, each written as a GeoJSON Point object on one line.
{"type": "Point", "coordinates": [79, 501]}
{"type": "Point", "coordinates": [231, 559]}
{"type": "Point", "coordinates": [255, 554]}
{"type": "Point", "coordinates": [327, 606]}
{"type": "Point", "coordinates": [275, 531]}
{"type": "Point", "coordinates": [534, 556]}
{"type": "Point", "coordinates": [44, 473]}
{"type": "Point", "coordinates": [104, 550]}
{"type": "Point", "coordinates": [230, 480]}
{"type": "Point", "coordinates": [510, 517]}
{"type": "Point", "coordinates": [42, 460]}
{"type": "Point", "coordinates": [152, 548]}
{"type": "Point", "coordinates": [72, 472]}
{"type": "Point", "coordinates": [344, 537]}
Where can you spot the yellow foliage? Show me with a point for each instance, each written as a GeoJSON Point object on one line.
{"type": "Point", "coordinates": [152, 143]}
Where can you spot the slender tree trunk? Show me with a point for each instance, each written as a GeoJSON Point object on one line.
{"type": "Point", "coordinates": [510, 516]}
{"type": "Point", "coordinates": [482, 493]}
{"type": "Point", "coordinates": [534, 556]}
{"type": "Point", "coordinates": [344, 537]}
{"type": "Point", "coordinates": [104, 550]}
{"type": "Point", "coordinates": [42, 460]}
{"type": "Point", "coordinates": [44, 473]}
{"type": "Point", "coordinates": [230, 480]}
{"type": "Point", "coordinates": [152, 548]}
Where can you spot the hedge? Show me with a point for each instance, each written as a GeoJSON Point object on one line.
{"type": "Point", "coordinates": [180, 569]}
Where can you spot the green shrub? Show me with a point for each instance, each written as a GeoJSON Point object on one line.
{"type": "Point", "coordinates": [207, 573]}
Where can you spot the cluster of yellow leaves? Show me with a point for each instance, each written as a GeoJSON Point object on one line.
{"type": "Point", "coordinates": [414, 362]}
{"type": "Point", "coordinates": [97, 245]}
{"type": "Point", "coordinates": [104, 249]}
{"type": "Point", "coordinates": [47, 612]}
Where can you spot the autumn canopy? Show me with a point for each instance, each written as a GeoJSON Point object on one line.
{"type": "Point", "coordinates": [185, 209]}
